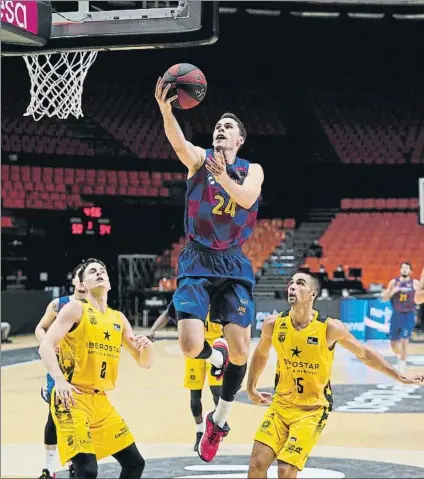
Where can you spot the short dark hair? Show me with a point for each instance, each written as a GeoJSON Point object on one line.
{"type": "Point", "coordinates": [315, 281]}
{"type": "Point", "coordinates": [75, 270]}
{"type": "Point", "coordinates": [240, 125]}
{"type": "Point", "coordinates": [407, 264]}
{"type": "Point", "coordinates": [84, 265]}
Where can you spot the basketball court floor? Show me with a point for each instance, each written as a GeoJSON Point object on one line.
{"type": "Point", "coordinates": [376, 429]}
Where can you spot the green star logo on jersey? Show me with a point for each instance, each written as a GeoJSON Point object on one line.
{"type": "Point", "coordinates": [295, 352]}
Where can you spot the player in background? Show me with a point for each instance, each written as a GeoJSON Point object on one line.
{"type": "Point", "coordinates": [305, 343]}
{"type": "Point", "coordinates": [401, 292]}
{"type": "Point", "coordinates": [91, 336]}
{"type": "Point", "coordinates": [220, 213]}
{"type": "Point", "coordinates": [50, 438]}
{"type": "Point", "coordinates": [195, 369]}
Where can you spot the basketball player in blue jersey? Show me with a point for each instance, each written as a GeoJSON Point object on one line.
{"type": "Point", "coordinates": [220, 214]}
{"type": "Point", "coordinates": [401, 292]}
{"type": "Point", "coordinates": [52, 310]}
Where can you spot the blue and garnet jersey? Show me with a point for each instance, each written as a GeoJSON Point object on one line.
{"type": "Point", "coordinates": [403, 300]}
{"type": "Point", "coordinates": [212, 218]}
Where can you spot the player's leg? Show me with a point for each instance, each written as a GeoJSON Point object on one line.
{"type": "Point", "coordinates": [286, 470]}
{"type": "Point", "coordinates": [85, 466]}
{"type": "Point", "coordinates": [305, 428]}
{"type": "Point", "coordinates": [131, 461]}
{"type": "Point", "coordinates": [111, 436]}
{"type": "Point", "coordinates": [73, 433]}
{"type": "Point", "coordinates": [50, 436]}
{"type": "Point", "coordinates": [236, 308]}
{"type": "Point", "coordinates": [194, 379]}
{"type": "Point", "coordinates": [191, 301]}
{"type": "Point", "coordinates": [216, 393]}
{"type": "Point", "coordinates": [408, 325]}
{"type": "Point", "coordinates": [50, 444]}
{"type": "Point", "coordinates": [260, 460]}
{"type": "Point", "coordinates": [268, 441]}
{"type": "Point", "coordinates": [395, 335]}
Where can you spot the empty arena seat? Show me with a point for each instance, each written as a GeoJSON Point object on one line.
{"type": "Point", "coordinates": [377, 242]}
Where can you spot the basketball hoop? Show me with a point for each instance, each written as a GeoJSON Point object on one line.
{"type": "Point", "coordinates": [57, 81]}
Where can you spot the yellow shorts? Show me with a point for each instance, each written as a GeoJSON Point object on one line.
{"type": "Point", "coordinates": [195, 374]}
{"type": "Point", "coordinates": [291, 432]}
{"type": "Point", "coordinates": [92, 426]}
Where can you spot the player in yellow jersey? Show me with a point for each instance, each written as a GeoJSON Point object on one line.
{"type": "Point", "coordinates": [50, 438]}
{"type": "Point", "coordinates": [195, 369]}
{"type": "Point", "coordinates": [305, 343]}
{"type": "Point", "coordinates": [91, 336]}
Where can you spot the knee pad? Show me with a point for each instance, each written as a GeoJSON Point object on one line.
{"type": "Point", "coordinates": [196, 402]}
{"type": "Point", "coordinates": [50, 436]}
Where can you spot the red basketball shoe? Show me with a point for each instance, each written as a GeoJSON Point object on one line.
{"type": "Point", "coordinates": [211, 439]}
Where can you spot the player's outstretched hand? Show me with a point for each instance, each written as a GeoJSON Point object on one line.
{"type": "Point", "coordinates": [260, 398]}
{"type": "Point", "coordinates": [160, 95]}
{"type": "Point", "coordinates": [65, 393]}
{"type": "Point", "coordinates": [411, 378]}
{"type": "Point", "coordinates": [217, 166]}
{"type": "Point", "coordinates": [141, 342]}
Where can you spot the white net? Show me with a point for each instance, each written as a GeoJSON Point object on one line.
{"type": "Point", "coordinates": [57, 81]}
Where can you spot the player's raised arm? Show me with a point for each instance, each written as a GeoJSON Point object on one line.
{"type": "Point", "coordinates": [257, 364]}
{"type": "Point", "coordinates": [389, 291]}
{"type": "Point", "coordinates": [160, 323]}
{"type": "Point", "coordinates": [337, 332]}
{"type": "Point", "coordinates": [47, 319]}
{"type": "Point", "coordinates": [192, 156]}
{"type": "Point", "coordinates": [140, 347]}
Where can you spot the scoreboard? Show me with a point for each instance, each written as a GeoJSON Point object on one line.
{"type": "Point", "coordinates": [90, 222]}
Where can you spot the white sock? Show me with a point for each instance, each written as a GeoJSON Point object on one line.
{"type": "Point", "coordinates": [221, 412]}
{"type": "Point", "coordinates": [200, 427]}
{"type": "Point", "coordinates": [402, 366]}
{"type": "Point", "coordinates": [51, 460]}
{"type": "Point", "coordinates": [216, 358]}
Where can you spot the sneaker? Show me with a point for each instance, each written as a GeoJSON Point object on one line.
{"type": "Point", "coordinates": [45, 474]}
{"type": "Point", "coordinates": [198, 438]}
{"type": "Point", "coordinates": [211, 439]}
{"type": "Point", "coordinates": [71, 470]}
{"type": "Point", "coordinates": [222, 346]}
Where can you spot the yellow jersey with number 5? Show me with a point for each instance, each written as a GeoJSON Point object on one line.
{"type": "Point", "coordinates": [90, 351]}
{"type": "Point", "coordinates": [212, 330]}
{"type": "Point", "coordinates": [304, 362]}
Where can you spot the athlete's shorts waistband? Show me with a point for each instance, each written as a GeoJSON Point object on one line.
{"type": "Point", "coordinates": [200, 247]}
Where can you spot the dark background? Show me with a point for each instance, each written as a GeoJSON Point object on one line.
{"type": "Point", "coordinates": [286, 58]}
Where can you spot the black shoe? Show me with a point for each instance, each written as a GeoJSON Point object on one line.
{"type": "Point", "coordinates": [198, 437]}
{"type": "Point", "coordinates": [45, 474]}
{"type": "Point", "coordinates": [71, 470]}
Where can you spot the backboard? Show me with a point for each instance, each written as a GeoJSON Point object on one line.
{"type": "Point", "coordinates": [102, 26]}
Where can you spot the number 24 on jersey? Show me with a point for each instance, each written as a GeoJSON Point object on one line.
{"type": "Point", "coordinates": [220, 208]}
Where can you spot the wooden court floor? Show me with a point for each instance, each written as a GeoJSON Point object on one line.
{"type": "Point", "coordinates": [156, 407]}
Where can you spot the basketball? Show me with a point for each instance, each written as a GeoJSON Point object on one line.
{"type": "Point", "coordinates": [188, 82]}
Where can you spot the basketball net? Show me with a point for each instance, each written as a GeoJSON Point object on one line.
{"type": "Point", "coordinates": [57, 81]}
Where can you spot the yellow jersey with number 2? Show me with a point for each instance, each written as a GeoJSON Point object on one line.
{"type": "Point", "coordinates": [90, 351]}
